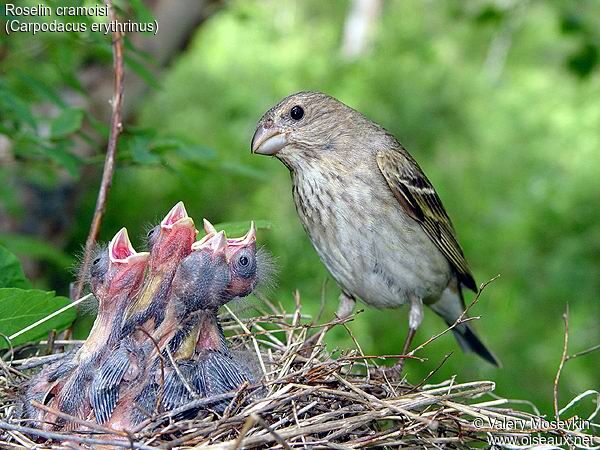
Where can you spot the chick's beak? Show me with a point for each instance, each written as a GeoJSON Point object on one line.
{"type": "Point", "coordinates": [121, 250]}
{"type": "Point", "coordinates": [208, 227]}
{"type": "Point", "coordinates": [268, 140]}
{"type": "Point", "coordinates": [216, 243]}
{"type": "Point", "coordinates": [246, 240]}
{"type": "Point", "coordinates": [178, 214]}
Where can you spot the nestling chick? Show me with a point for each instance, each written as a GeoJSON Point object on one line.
{"type": "Point", "coordinates": [172, 243]}
{"type": "Point", "coordinates": [374, 218]}
{"type": "Point", "coordinates": [228, 270]}
{"type": "Point", "coordinates": [115, 277]}
{"type": "Point", "coordinates": [43, 388]}
{"type": "Point", "coordinates": [191, 336]}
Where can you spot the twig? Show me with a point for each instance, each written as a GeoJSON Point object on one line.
{"type": "Point", "coordinates": [563, 359]}
{"type": "Point", "coordinates": [111, 150]}
{"type": "Point", "coordinates": [316, 402]}
{"type": "Point", "coordinates": [272, 432]}
{"type": "Point", "coordinates": [77, 420]}
{"type": "Point", "coordinates": [461, 319]}
{"type": "Point", "coordinates": [250, 421]}
{"type": "Point", "coordinates": [583, 352]}
{"type": "Point", "coordinates": [74, 438]}
{"type": "Point", "coordinates": [254, 341]}
{"type": "Point", "coordinates": [183, 380]}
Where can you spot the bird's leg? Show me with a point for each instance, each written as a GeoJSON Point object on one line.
{"type": "Point", "coordinates": [345, 306]}
{"type": "Point", "coordinates": [415, 317]}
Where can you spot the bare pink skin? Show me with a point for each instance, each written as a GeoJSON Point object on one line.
{"type": "Point", "coordinates": [121, 283]}
{"type": "Point", "coordinates": [172, 243]}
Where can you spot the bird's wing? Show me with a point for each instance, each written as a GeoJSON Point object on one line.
{"type": "Point", "coordinates": [104, 392]}
{"type": "Point", "coordinates": [418, 198]}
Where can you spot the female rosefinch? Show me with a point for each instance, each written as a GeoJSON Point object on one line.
{"type": "Point", "coordinates": [371, 213]}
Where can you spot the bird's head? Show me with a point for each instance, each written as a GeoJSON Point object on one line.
{"type": "Point", "coordinates": [304, 126]}
{"type": "Point", "coordinates": [118, 269]}
{"type": "Point", "coordinates": [172, 239]}
{"type": "Point", "coordinates": [250, 267]}
{"type": "Point", "coordinates": [203, 276]}
{"type": "Point", "coordinates": [242, 259]}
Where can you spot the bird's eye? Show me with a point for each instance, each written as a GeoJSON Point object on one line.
{"type": "Point", "coordinates": [96, 261]}
{"type": "Point", "coordinates": [151, 232]}
{"type": "Point", "coordinates": [244, 261]}
{"type": "Point", "coordinates": [297, 112]}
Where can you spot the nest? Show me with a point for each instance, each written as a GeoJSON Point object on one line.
{"type": "Point", "coordinates": [306, 398]}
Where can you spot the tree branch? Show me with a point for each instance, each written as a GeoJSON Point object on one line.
{"type": "Point", "coordinates": [109, 162]}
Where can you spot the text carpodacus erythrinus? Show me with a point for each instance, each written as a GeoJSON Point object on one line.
{"type": "Point", "coordinates": [374, 218]}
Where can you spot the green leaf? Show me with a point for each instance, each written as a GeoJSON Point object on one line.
{"type": "Point", "coordinates": [142, 12]}
{"type": "Point", "coordinates": [237, 229]}
{"type": "Point", "coordinates": [21, 307]}
{"type": "Point", "coordinates": [68, 122]}
{"type": "Point", "coordinates": [142, 71]}
{"type": "Point", "coordinates": [19, 108]}
{"type": "Point", "coordinates": [11, 272]}
{"type": "Point", "coordinates": [35, 248]}
{"type": "Point", "coordinates": [65, 158]}
{"type": "Point", "coordinates": [141, 152]}
{"type": "Point", "coordinates": [196, 153]}
{"type": "Point", "coordinates": [41, 88]}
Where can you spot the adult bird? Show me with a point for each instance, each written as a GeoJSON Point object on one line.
{"type": "Point", "coordinates": [374, 218]}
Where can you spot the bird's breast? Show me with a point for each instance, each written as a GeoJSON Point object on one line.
{"type": "Point", "coordinates": [371, 247]}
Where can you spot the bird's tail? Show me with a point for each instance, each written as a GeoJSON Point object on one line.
{"type": "Point", "coordinates": [450, 306]}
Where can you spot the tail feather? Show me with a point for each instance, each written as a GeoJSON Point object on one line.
{"type": "Point", "coordinates": [469, 342]}
{"type": "Point", "coordinates": [450, 306]}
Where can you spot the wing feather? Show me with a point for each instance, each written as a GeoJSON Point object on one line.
{"type": "Point", "coordinates": [416, 195]}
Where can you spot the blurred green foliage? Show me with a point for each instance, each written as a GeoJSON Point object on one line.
{"type": "Point", "coordinates": [510, 139]}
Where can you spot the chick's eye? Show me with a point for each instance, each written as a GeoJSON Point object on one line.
{"type": "Point", "coordinates": [151, 232]}
{"type": "Point", "coordinates": [96, 261]}
{"type": "Point", "coordinates": [244, 261]}
{"type": "Point", "coordinates": [297, 112]}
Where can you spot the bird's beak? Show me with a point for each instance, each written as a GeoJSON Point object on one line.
{"type": "Point", "coordinates": [246, 240]}
{"type": "Point", "coordinates": [209, 227]}
{"type": "Point", "coordinates": [268, 140]}
{"type": "Point", "coordinates": [178, 216]}
{"type": "Point", "coordinates": [121, 250]}
{"type": "Point", "coordinates": [217, 243]}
